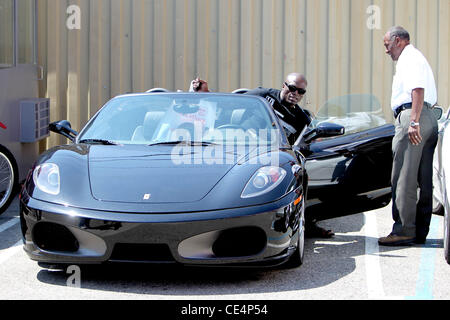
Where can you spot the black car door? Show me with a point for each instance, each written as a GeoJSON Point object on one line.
{"type": "Point", "coordinates": [349, 173]}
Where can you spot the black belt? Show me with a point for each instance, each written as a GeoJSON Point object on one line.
{"type": "Point", "coordinates": [407, 106]}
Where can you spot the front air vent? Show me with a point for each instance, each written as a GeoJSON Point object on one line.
{"type": "Point", "coordinates": [240, 242]}
{"type": "Point", "coordinates": [129, 252]}
{"type": "Point", "coordinates": [54, 237]}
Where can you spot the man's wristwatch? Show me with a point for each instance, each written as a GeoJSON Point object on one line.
{"type": "Point", "coordinates": [414, 124]}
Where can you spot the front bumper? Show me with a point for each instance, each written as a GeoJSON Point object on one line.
{"type": "Point", "coordinates": [263, 235]}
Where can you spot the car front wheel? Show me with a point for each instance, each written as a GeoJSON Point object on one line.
{"type": "Point", "coordinates": [296, 260]}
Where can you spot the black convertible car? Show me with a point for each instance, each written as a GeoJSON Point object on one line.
{"type": "Point", "coordinates": [201, 179]}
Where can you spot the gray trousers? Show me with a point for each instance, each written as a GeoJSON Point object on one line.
{"type": "Point", "coordinates": [412, 175]}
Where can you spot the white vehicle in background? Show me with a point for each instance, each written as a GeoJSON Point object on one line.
{"type": "Point", "coordinates": [441, 178]}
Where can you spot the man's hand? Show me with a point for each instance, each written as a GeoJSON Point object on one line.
{"type": "Point", "coordinates": [414, 135]}
{"type": "Point", "coordinates": [199, 85]}
{"type": "Point", "coordinates": [417, 97]}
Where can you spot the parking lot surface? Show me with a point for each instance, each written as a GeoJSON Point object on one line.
{"type": "Point", "coordinates": [350, 266]}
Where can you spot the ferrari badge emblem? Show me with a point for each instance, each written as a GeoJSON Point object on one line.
{"type": "Point", "coordinates": [147, 196]}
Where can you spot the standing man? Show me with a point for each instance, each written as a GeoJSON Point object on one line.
{"type": "Point", "coordinates": [416, 131]}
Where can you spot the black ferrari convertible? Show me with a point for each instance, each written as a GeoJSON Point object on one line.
{"type": "Point", "coordinates": [201, 179]}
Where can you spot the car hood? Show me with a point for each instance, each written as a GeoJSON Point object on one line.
{"type": "Point", "coordinates": [142, 174]}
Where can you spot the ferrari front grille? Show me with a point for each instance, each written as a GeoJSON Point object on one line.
{"type": "Point", "coordinates": [131, 252]}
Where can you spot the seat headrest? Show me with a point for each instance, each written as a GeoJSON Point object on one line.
{"type": "Point", "coordinates": [151, 122]}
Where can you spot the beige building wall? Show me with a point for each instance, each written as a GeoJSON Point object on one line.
{"type": "Point", "coordinates": [134, 45]}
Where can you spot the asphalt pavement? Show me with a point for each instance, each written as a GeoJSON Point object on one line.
{"type": "Point", "coordinates": [350, 266]}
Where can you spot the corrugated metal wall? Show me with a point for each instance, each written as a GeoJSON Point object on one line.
{"type": "Point", "coordinates": [134, 45]}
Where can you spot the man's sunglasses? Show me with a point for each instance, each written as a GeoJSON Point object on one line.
{"type": "Point", "coordinates": [294, 88]}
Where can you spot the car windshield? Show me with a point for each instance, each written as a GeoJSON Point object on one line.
{"type": "Point", "coordinates": [357, 113]}
{"type": "Point", "coordinates": [153, 119]}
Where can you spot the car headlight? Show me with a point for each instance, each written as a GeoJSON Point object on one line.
{"type": "Point", "coordinates": [46, 178]}
{"type": "Point", "coordinates": [263, 181]}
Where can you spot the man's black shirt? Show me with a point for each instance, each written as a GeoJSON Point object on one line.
{"type": "Point", "coordinates": [294, 119]}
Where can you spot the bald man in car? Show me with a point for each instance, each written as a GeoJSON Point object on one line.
{"type": "Point", "coordinates": [292, 117]}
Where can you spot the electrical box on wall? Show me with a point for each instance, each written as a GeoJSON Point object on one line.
{"type": "Point", "coordinates": [34, 119]}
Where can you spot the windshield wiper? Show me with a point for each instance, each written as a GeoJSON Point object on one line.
{"type": "Point", "coordinates": [99, 141]}
{"type": "Point", "coordinates": [184, 142]}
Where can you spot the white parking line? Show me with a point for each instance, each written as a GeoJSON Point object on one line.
{"type": "Point", "coordinates": [372, 260]}
{"type": "Point", "coordinates": [7, 253]}
{"type": "Point", "coordinates": [10, 223]}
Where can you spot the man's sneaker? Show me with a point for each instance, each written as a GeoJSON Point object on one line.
{"type": "Point", "coordinates": [395, 240]}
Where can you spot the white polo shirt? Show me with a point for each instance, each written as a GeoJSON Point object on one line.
{"type": "Point", "coordinates": [413, 71]}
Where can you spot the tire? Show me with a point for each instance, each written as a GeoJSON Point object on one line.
{"type": "Point", "coordinates": [296, 260]}
{"type": "Point", "coordinates": [8, 179]}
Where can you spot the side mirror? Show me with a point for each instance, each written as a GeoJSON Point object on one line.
{"type": "Point", "coordinates": [324, 130]}
{"type": "Point", "coordinates": [64, 128]}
